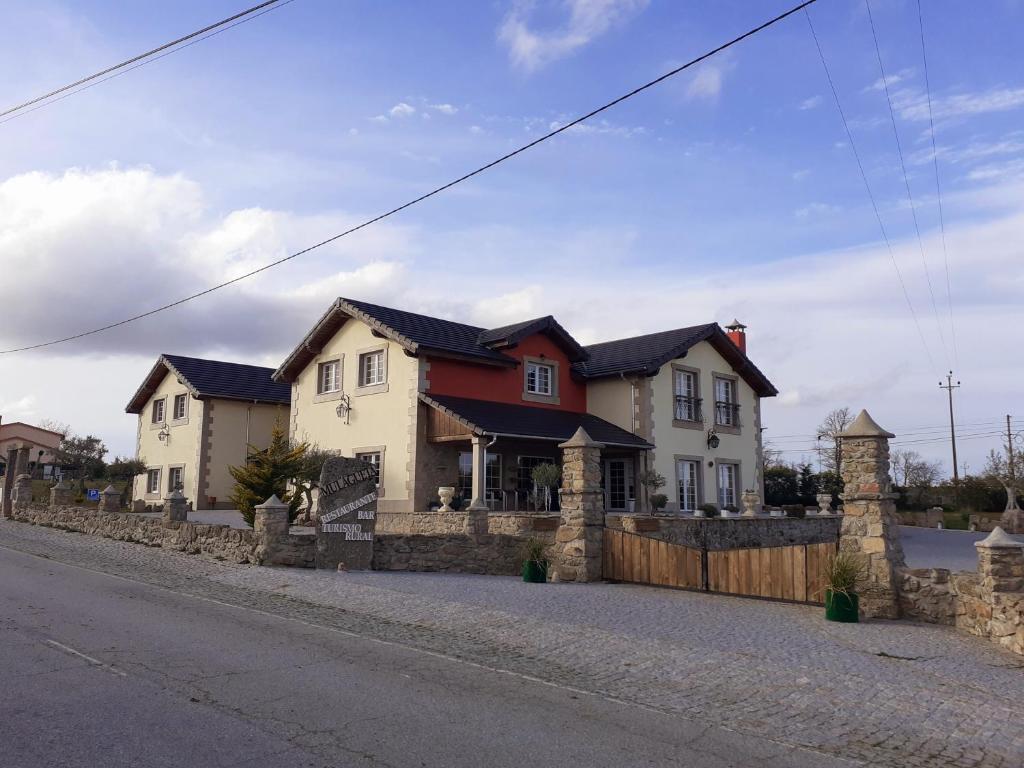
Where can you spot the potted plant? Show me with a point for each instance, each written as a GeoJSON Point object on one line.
{"type": "Point", "coordinates": [844, 571]}
{"type": "Point", "coordinates": [658, 501]}
{"type": "Point", "coordinates": [706, 510]}
{"type": "Point", "coordinates": [535, 566]}
{"type": "Point", "coordinates": [545, 477]}
{"type": "Point", "coordinates": [653, 481]}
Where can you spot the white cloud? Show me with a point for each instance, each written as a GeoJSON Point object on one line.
{"type": "Point", "coordinates": [531, 49]}
{"type": "Point", "coordinates": [445, 109]}
{"type": "Point", "coordinates": [707, 83]}
{"type": "Point", "coordinates": [401, 109]}
{"type": "Point", "coordinates": [801, 174]}
{"type": "Point", "coordinates": [890, 80]}
{"type": "Point", "coordinates": [912, 104]}
{"type": "Point", "coordinates": [816, 210]}
{"type": "Point", "coordinates": [810, 103]}
{"type": "Point", "coordinates": [24, 408]}
{"type": "Point", "coordinates": [602, 127]}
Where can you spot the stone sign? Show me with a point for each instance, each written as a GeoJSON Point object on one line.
{"type": "Point", "coordinates": [347, 516]}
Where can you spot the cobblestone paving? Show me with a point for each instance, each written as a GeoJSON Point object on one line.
{"type": "Point", "coordinates": [882, 693]}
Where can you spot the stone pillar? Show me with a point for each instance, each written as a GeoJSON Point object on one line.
{"type": "Point", "coordinates": [110, 500]}
{"type": "Point", "coordinates": [176, 508]}
{"type": "Point", "coordinates": [476, 512]}
{"type": "Point", "coordinates": [6, 507]}
{"type": "Point", "coordinates": [62, 494]}
{"type": "Point", "coordinates": [271, 526]}
{"type": "Point", "coordinates": [579, 539]}
{"type": "Point", "coordinates": [22, 495]}
{"type": "Point", "coordinates": [1000, 563]}
{"type": "Point", "coordinates": [870, 525]}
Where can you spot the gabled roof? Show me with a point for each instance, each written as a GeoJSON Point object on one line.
{"type": "Point", "coordinates": [510, 335]}
{"type": "Point", "coordinates": [485, 417]}
{"type": "Point", "coordinates": [213, 378]}
{"type": "Point", "coordinates": [644, 355]}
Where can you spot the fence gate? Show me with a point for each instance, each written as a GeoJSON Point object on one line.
{"type": "Point", "coordinates": [643, 560]}
{"type": "Point", "coordinates": [794, 573]}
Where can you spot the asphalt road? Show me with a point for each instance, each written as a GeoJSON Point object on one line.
{"type": "Point", "coordinates": [103, 671]}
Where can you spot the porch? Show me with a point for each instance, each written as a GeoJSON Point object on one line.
{"type": "Point", "coordinates": [488, 451]}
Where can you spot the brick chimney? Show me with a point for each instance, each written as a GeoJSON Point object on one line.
{"type": "Point", "coordinates": [737, 333]}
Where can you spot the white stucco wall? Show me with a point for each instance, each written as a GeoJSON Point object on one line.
{"type": "Point", "coordinates": [233, 425]}
{"type": "Point", "coordinates": [378, 421]}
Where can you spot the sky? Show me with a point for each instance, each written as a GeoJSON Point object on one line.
{"type": "Point", "coordinates": [729, 191]}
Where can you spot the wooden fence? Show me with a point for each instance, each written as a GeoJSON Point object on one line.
{"type": "Point", "coordinates": [794, 573]}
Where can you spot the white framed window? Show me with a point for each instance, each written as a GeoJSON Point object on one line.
{"type": "Point", "coordinates": [728, 482]}
{"type": "Point", "coordinates": [328, 377]}
{"type": "Point", "coordinates": [175, 479]}
{"type": "Point", "coordinates": [726, 405]}
{"type": "Point", "coordinates": [540, 379]}
{"type": "Point", "coordinates": [687, 405]}
{"type": "Point", "coordinates": [372, 370]}
{"type": "Point", "coordinates": [374, 458]}
{"type": "Point", "coordinates": [492, 485]}
{"type": "Point", "coordinates": [180, 406]}
{"type": "Point", "coordinates": [153, 481]}
{"type": "Point", "coordinates": [688, 470]}
{"type": "Point", "coordinates": [158, 410]}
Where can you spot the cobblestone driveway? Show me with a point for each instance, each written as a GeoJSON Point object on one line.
{"type": "Point", "coordinates": [882, 693]}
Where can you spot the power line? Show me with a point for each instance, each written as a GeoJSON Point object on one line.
{"type": "Point", "coordinates": [938, 187]}
{"type": "Point", "coordinates": [871, 196]}
{"type": "Point", "coordinates": [143, 58]}
{"type": "Point", "coordinates": [906, 180]}
{"type": "Point", "coordinates": [435, 191]}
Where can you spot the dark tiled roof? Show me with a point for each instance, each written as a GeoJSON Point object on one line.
{"type": "Point", "coordinates": [431, 332]}
{"type": "Point", "coordinates": [214, 378]}
{"type": "Point", "coordinates": [641, 353]}
{"type": "Point", "coordinates": [509, 335]}
{"type": "Point", "coordinates": [504, 419]}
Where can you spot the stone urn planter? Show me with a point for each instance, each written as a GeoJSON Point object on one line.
{"type": "Point", "coordinates": [824, 503]}
{"type": "Point", "coordinates": [751, 500]}
{"type": "Point", "coordinates": [446, 493]}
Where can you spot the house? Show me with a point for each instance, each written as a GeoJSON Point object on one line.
{"type": "Point", "coordinates": [197, 418]}
{"type": "Point", "coordinates": [43, 445]}
{"type": "Point", "coordinates": [432, 402]}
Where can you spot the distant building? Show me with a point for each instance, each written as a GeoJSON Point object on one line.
{"type": "Point", "coordinates": [44, 444]}
{"type": "Point", "coordinates": [197, 419]}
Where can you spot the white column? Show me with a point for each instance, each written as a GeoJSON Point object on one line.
{"type": "Point", "coordinates": [479, 501]}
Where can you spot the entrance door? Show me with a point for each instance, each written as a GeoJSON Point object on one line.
{"type": "Point", "coordinates": [618, 484]}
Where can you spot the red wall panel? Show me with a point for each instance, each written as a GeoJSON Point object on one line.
{"type": "Point", "coordinates": [505, 385]}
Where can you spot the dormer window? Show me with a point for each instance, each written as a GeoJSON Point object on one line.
{"type": "Point", "coordinates": [540, 379]}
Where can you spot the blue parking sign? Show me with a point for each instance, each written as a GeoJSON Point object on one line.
{"type": "Point", "coordinates": [92, 494]}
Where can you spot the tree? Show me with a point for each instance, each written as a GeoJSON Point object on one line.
{"type": "Point", "coordinates": [1001, 472]}
{"type": "Point", "coordinates": [771, 456]}
{"type": "Point", "coordinates": [125, 470]}
{"type": "Point", "coordinates": [267, 473]}
{"type": "Point", "coordinates": [807, 483]}
{"type": "Point", "coordinates": [830, 429]}
{"type": "Point", "coordinates": [55, 426]}
{"type": "Point", "coordinates": [84, 456]}
{"type": "Point", "coordinates": [910, 470]}
{"type": "Point", "coordinates": [308, 477]}
{"type": "Point", "coordinates": [780, 486]}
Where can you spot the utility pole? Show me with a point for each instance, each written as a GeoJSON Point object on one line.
{"type": "Point", "coordinates": [949, 386]}
{"type": "Point", "coordinates": [1009, 451]}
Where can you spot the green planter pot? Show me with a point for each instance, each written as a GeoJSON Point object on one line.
{"type": "Point", "coordinates": [840, 607]}
{"type": "Point", "coordinates": [535, 572]}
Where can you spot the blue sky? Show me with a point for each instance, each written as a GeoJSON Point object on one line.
{"type": "Point", "coordinates": [728, 191]}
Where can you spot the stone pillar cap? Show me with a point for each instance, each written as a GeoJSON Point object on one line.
{"type": "Point", "coordinates": [865, 426]}
{"type": "Point", "coordinates": [111, 489]}
{"type": "Point", "coordinates": [273, 501]}
{"type": "Point", "coordinates": [999, 539]}
{"type": "Point", "coordinates": [581, 440]}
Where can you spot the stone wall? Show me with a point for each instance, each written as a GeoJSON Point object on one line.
{"type": "Point", "coordinates": [929, 518]}
{"type": "Point", "coordinates": [511, 523]}
{"type": "Point", "coordinates": [717, 533]}
{"type": "Point", "coordinates": [484, 553]}
{"type": "Point", "coordinates": [220, 542]}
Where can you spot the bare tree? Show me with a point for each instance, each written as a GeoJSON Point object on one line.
{"type": "Point", "coordinates": [911, 470]}
{"type": "Point", "coordinates": [770, 455]}
{"type": "Point", "coordinates": [830, 429]}
{"type": "Point", "coordinates": [55, 426]}
{"type": "Point", "coordinates": [1000, 470]}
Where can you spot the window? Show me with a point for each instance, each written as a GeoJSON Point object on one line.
{"type": "Point", "coordinates": [687, 404]}
{"type": "Point", "coordinates": [728, 480]}
{"type": "Point", "coordinates": [153, 481]}
{"type": "Point", "coordinates": [727, 409]}
{"type": "Point", "coordinates": [686, 470]}
{"type": "Point", "coordinates": [180, 406]}
{"type": "Point", "coordinates": [540, 379]}
{"type": "Point", "coordinates": [493, 481]}
{"type": "Point", "coordinates": [371, 368]}
{"type": "Point", "coordinates": [158, 410]}
{"type": "Point", "coordinates": [374, 458]}
{"type": "Point", "coordinates": [175, 479]}
{"type": "Point", "coordinates": [328, 377]}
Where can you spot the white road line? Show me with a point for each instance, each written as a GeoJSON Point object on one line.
{"type": "Point", "coordinates": [90, 659]}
